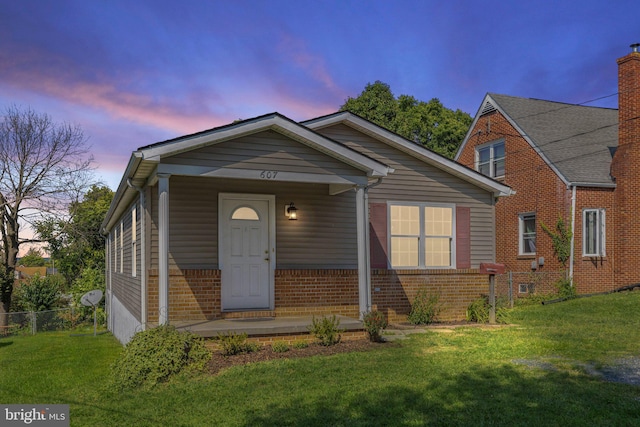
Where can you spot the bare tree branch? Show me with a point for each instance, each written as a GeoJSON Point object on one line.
{"type": "Point", "coordinates": [44, 166]}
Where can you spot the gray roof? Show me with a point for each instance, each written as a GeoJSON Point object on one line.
{"type": "Point", "coordinates": [577, 141]}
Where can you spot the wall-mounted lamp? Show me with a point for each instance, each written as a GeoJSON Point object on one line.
{"type": "Point", "coordinates": [541, 261]}
{"type": "Point", "coordinates": [534, 265]}
{"type": "Point", "coordinates": [291, 212]}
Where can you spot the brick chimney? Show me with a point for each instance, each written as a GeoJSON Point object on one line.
{"type": "Point", "coordinates": [625, 168]}
{"type": "Point", "coordinates": [629, 97]}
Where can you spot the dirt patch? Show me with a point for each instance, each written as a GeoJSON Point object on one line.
{"type": "Point", "coordinates": [626, 371]}
{"type": "Point", "coordinates": [220, 362]}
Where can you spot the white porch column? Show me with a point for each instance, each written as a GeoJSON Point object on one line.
{"type": "Point", "coordinates": [163, 249]}
{"type": "Point", "coordinates": [364, 288]}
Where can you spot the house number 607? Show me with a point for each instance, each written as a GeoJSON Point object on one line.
{"type": "Point", "coordinates": [268, 174]}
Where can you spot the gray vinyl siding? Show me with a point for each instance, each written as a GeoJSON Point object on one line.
{"type": "Point", "coordinates": [125, 287]}
{"type": "Point", "coordinates": [264, 150]}
{"type": "Point", "coordinates": [324, 236]}
{"type": "Point", "coordinates": [416, 181]}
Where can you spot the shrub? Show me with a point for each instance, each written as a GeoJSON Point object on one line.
{"type": "Point", "coordinates": [425, 308]}
{"type": "Point", "coordinates": [374, 322]}
{"type": "Point", "coordinates": [232, 343]}
{"type": "Point", "coordinates": [566, 289]}
{"type": "Point", "coordinates": [38, 293]}
{"type": "Point", "coordinates": [89, 279]}
{"type": "Point", "coordinates": [300, 344]}
{"type": "Point", "coordinates": [155, 355]}
{"type": "Point", "coordinates": [478, 310]}
{"type": "Point", "coordinates": [280, 347]}
{"type": "Point", "coordinates": [326, 330]}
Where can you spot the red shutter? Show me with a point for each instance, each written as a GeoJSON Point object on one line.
{"type": "Point", "coordinates": [378, 234]}
{"type": "Point", "coordinates": [463, 237]}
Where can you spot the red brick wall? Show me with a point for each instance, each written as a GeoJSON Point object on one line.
{"type": "Point", "coordinates": [594, 274]}
{"type": "Point", "coordinates": [195, 294]}
{"type": "Point", "coordinates": [300, 292]}
{"type": "Point", "coordinates": [625, 169]}
{"type": "Point", "coordinates": [393, 291]}
{"type": "Point", "coordinates": [540, 190]}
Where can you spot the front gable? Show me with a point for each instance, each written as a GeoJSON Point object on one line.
{"type": "Point", "coordinates": [264, 153]}
{"type": "Point", "coordinates": [390, 145]}
{"type": "Point", "coordinates": [327, 161]}
{"type": "Point", "coordinates": [574, 141]}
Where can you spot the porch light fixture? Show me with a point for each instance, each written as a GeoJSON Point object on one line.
{"type": "Point", "coordinates": [291, 212]}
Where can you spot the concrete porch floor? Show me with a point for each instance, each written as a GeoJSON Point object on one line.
{"type": "Point", "coordinates": [260, 326]}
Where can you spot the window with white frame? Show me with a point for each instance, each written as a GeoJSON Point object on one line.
{"type": "Point", "coordinates": [593, 232]}
{"type": "Point", "coordinates": [134, 247]}
{"type": "Point", "coordinates": [527, 234]}
{"type": "Point", "coordinates": [121, 247]}
{"type": "Point", "coordinates": [114, 249]}
{"type": "Point", "coordinates": [490, 159]}
{"type": "Point", "coordinates": [421, 235]}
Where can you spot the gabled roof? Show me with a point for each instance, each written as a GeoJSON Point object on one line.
{"type": "Point", "coordinates": [273, 121]}
{"type": "Point", "coordinates": [411, 148]}
{"type": "Point", "coordinates": [143, 161]}
{"type": "Point", "coordinates": [576, 141]}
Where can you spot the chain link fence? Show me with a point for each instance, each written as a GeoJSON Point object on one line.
{"type": "Point", "coordinates": [513, 284]}
{"type": "Point", "coordinates": [32, 322]}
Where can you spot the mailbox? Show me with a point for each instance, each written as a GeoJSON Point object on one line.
{"type": "Point", "coordinates": [492, 268]}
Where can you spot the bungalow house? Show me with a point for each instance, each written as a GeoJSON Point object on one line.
{"type": "Point", "coordinates": [272, 218]}
{"type": "Point", "coordinates": [574, 162]}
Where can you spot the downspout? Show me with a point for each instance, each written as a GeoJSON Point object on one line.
{"type": "Point", "coordinates": [143, 256]}
{"type": "Point", "coordinates": [368, 240]}
{"type": "Point", "coordinates": [107, 272]}
{"type": "Point", "coordinates": [573, 234]}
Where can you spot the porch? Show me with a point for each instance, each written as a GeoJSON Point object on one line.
{"type": "Point", "coordinates": [261, 326]}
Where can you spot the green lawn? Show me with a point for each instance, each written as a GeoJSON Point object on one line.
{"type": "Point", "coordinates": [467, 377]}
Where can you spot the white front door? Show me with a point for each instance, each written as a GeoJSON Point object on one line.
{"type": "Point", "coordinates": [246, 251]}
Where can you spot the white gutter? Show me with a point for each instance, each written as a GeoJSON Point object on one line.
{"type": "Point", "coordinates": [143, 255]}
{"type": "Point", "coordinates": [573, 234]}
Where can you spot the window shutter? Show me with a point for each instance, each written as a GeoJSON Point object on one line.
{"type": "Point", "coordinates": [463, 237]}
{"type": "Point", "coordinates": [378, 235]}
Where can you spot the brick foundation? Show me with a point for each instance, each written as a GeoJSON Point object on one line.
{"type": "Point", "coordinates": [393, 291]}
{"type": "Point", "coordinates": [195, 294]}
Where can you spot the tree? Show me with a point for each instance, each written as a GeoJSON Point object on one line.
{"type": "Point", "coordinates": [43, 166]}
{"type": "Point", "coordinates": [76, 243]}
{"type": "Point", "coordinates": [430, 124]}
{"type": "Point", "coordinates": [33, 258]}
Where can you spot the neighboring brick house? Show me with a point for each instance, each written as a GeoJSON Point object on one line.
{"type": "Point", "coordinates": [202, 227]}
{"type": "Point", "coordinates": [571, 161]}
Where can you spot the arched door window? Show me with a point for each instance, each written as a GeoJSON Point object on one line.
{"type": "Point", "coordinates": [245, 213]}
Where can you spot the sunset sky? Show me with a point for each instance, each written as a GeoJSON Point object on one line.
{"type": "Point", "coordinates": [132, 73]}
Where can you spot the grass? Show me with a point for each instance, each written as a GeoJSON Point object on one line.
{"type": "Point", "coordinates": [466, 377]}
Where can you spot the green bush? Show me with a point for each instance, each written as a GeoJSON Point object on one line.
{"type": "Point", "coordinates": [300, 344]}
{"type": "Point", "coordinates": [425, 308]}
{"type": "Point", "coordinates": [232, 343]}
{"type": "Point", "coordinates": [38, 294]}
{"type": "Point", "coordinates": [478, 310]}
{"type": "Point", "coordinates": [374, 323]}
{"type": "Point", "coordinates": [566, 289]}
{"type": "Point", "coordinates": [326, 330]}
{"type": "Point", "coordinates": [155, 355]}
{"type": "Point", "coordinates": [89, 279]}
{"type": "Point", "coordinates": [280, 347]}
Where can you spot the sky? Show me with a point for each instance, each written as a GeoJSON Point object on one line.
{"type": "Point", "coordinates": [132, 73]}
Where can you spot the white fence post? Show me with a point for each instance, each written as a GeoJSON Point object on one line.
{"type": "Point", "coordinates": [34, 326]}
